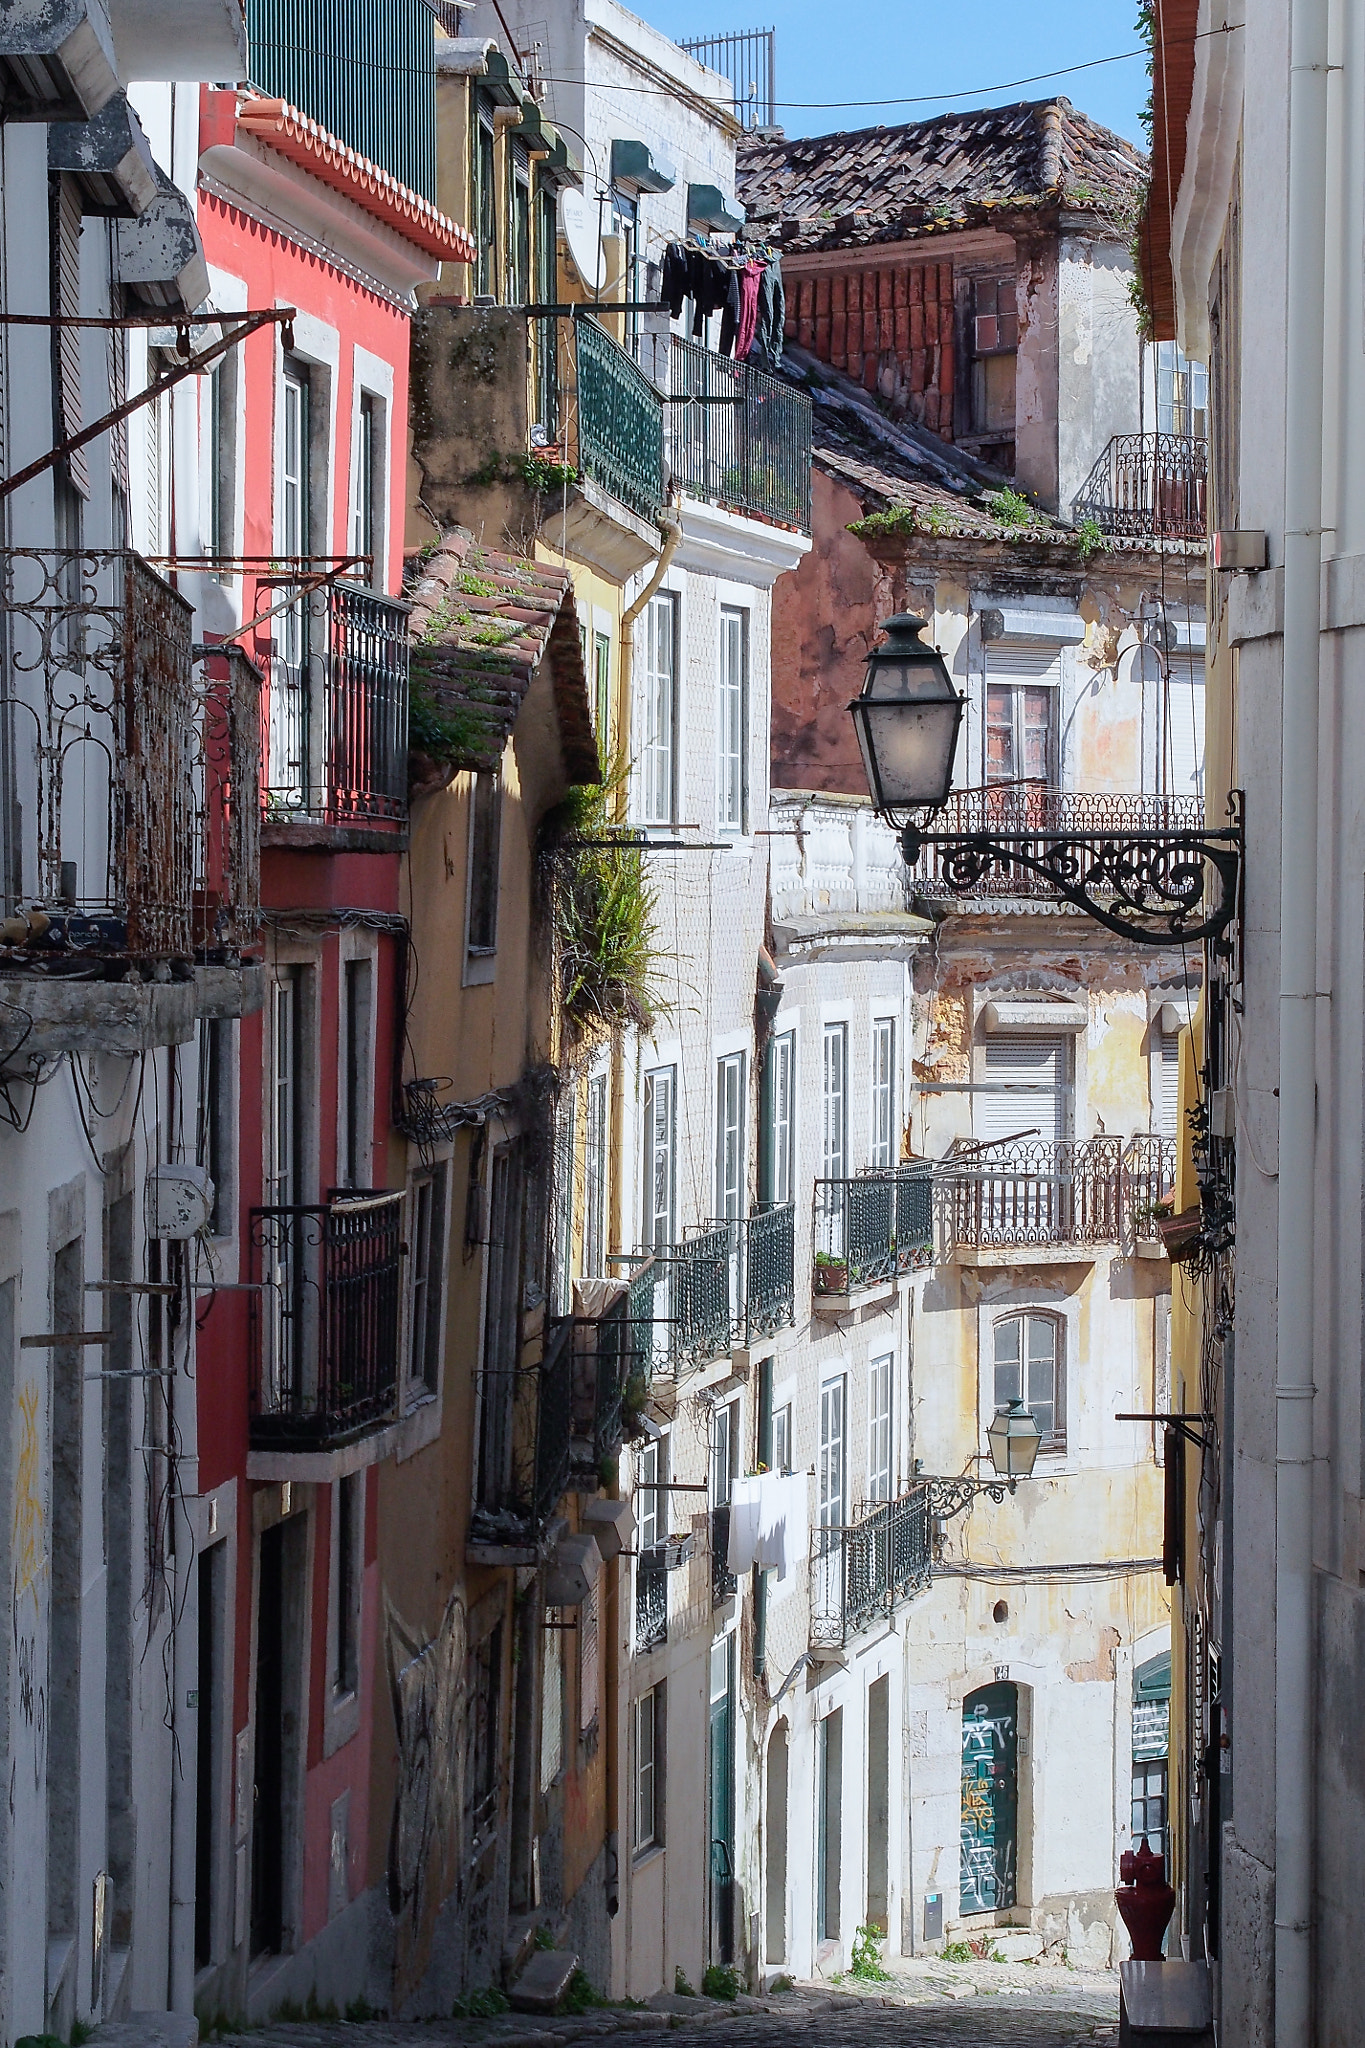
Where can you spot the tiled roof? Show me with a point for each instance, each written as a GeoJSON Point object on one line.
{"type": "Point", "coordinates": [314, 148]}
{"type": "Point", "coordinates": [895, 467]}
{"type": "Point", "coordinates": [481, 625]}
{"type": "Point", "coordinates": [958, 170]}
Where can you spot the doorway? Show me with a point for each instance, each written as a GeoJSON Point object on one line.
{"type": "Point", "coordinates": [722, 1801]}
{"type": "Point", "coordinates": [775, 1848]}
{"type": "Point", "coordinates": [990, 1798]}
{"type": "Point", "coordinates": [878, 1803]}
{"type": "Point", "coordinates": [281, 1630]}
{"type": "Point", "coordinates": [829, 1862]}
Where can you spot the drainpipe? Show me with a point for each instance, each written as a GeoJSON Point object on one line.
{"type": "Point", "coordinates": [1294, 1363]}
{"type": "Point", "coordinates": [186, 1720]}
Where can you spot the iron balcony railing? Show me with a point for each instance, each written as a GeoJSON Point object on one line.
{"type": "Point", "coordinates": [747, 57]}
{"type": "Point", "coordinates": [619, 438]}
{"type": "Point", "coordinates": [862, 1571]}
{"type": "Point", "coordinates": [651, 1606]}
{"type": "Point", "coordinates": [609, 1352]}
{"type": "Point", "coordinates": [227, 841]}
{"type": "Point", "coordinates": [555, 1391]}
{"type": "Point", "coordinates": [328, 69]}
{"type": "Point", "coordinates": [872, 1227]}
{"type": "Point", "coordinates": [103, 727]}
{"type": "Point", "coordinates": [325, 1320]}
{"type": "Point", "coordinates": [769, 1271]}
{"type": "Point", "coordinates": [336, 709]}
{"type": "Point", "coordinates": [1030, 809]}
{"type": "Point", "coordinates": [1148, 487]}
{"type": "Point", "coordinates": [1035, 1192]}
{"type": "Point", "coordinates": [701, 1285]}
{"type": "Point", "coordinates": [1149, 1164]}
{"type": "Point", "coordinates": [738, 437]}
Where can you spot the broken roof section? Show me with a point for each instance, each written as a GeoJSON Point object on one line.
{"type": "Point", "coordinates": [956, 171]}
{"type": "Point", "coordinates": [897, 468]}
{"type": "Point", "coordinates": [482, 623]}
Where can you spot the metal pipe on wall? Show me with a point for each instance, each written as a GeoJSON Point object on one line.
{"type": "Point", "coordinates": [1306, 238]}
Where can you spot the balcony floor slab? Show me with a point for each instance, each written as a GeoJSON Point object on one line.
{"type": "Point", "coordinates": [321, 1467]}
{"type": "Point", "coordinates": [229, 991]}
{"type": "Point", "coordinates": [997, 1255]}
{"type": "Point", "coordinates": [116, 1018]}
{"type": "Point", "coordinates": [597, 528]}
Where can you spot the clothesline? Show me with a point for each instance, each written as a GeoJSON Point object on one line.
{"type": "Point", "coordinates": [744, 287]}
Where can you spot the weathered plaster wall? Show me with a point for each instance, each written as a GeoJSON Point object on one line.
{"type": "Point", "coordinates": [825, 617]}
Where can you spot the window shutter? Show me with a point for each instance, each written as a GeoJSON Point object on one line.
{"type": "Point", "coordinates": [1026, 1086]}
{"type": "Point", "coordinates": [1182, 765]}
{"type": "Point", "coordinates": [1021, 662]}
{"type": "Point", "coordinates": [1166, 1075]}
{"type": "Point", "coordinates": [68, 265]}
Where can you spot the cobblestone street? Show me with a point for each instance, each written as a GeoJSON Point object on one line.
{"type": "Point", "coordinates": [925, 2005]}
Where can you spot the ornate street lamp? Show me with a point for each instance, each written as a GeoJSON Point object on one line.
{"type": "Point", "coordinates": [1013, 1438]}
{"type": "Point", "coordinates": [1155, 882]}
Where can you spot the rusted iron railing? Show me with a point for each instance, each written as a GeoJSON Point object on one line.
{"type": "Point", "coordinates": [1148, 487]}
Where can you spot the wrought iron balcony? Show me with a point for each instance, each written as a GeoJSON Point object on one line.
{"type": "Point", "coordinates": [651, 1606]}
{"type": "Point", "coordinates": [1033, 810]}
{"type": "Point", "coordinates": [724, 1584]}
{"type": "Point", "coordinates": [608, 1352]}
{"type": "Point", "coordinates": [619, 441]}
{"type": "Point", "coordinates": [1149, 1164]}
{"type": "Point", "coordinates": [555, 1390]}
{"type": "Point", "coordinates": [1148, 487]}
{"type": "Point", "coordinates": [336, 709]}
{"type": "Point", "coordinates": [702, 1283]}
{"type": "Point", "coordinates": [1034, 1193]}
{"type": "Point", "coordinates": [870, 1228]}
{"type": "Point", "coordinates": [325, 1322]}
{"type": "Point", "coordinates": [769, 1271]}
{"type": "Point", "coordinates": [861, 1572]}
{"type": "Point", "coordinates": [738, 437]}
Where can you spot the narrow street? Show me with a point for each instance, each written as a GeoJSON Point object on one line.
{"type": "Point", "coordinates": [924, 2005]}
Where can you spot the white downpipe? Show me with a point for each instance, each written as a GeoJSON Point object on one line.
{"type": "Point", "coordinates": [1294, 1367]}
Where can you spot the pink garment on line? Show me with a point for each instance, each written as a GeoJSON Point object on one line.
{"type": "Point", "coordinates": [748, 308]}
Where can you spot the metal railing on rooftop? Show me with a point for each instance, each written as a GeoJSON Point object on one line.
{"type": "Point", "coordinates": [862, 1571]}
{"type": "Point", "coordinates": [336, 709]}
{"type": "Point", "coordinates": [738, 437]}
{"type": "Point", "coordinates": [325, 1319]}
{"type": "Point", "coordinates": [1148, 487]}
{"type": "Point", "coordinates": [1027, 809]}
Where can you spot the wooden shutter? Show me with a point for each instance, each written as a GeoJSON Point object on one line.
{"type": "Point", "coordinates": [1166, 1085]}
{"type": "Point", "coordinates": [67, 264]}
{"type": "Point", "coordinates": [1025, 1087]}
{"type": "Point", "coordinates": [1182, 764]}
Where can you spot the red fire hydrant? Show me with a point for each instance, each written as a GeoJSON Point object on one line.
{"type": "Point", "coordinates": [1145, 1900]}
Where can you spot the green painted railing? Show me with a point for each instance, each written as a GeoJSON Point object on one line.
{"type": "Point", "coordinates": [620, 422]}
{"type": "Point", "coordinates": [770, 1271]}
{"type": "Point", "coordinates": [364, 69]}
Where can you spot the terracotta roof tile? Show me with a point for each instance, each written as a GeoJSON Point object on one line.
{"type": "Point", "coordinates": [957, 170]}
{"type": "Point", "coordinates": [481, 625]}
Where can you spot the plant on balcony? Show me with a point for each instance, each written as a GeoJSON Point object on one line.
{"type": "Point", "coordinates": [603, 907]}
{"type": "Point", "coordinates": [831, 1274]}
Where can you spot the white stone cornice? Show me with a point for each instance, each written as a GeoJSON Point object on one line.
{"type": "Point", "coordinates": [742, 550]}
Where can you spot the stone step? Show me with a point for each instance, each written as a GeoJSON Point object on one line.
{"type": "Point", "coordinates": [521, 1939]}
{"type": "Point", "coordinates": [148, 2030]}
{"type": "Point", "coordinates": [544, 1981]}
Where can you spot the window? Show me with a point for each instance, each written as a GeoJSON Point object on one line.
{"type": "Point", "coordinates": [353, 1164]}
{"type": "Point", "coordinates": [65, 292]}
{"type": "Point", "coordinates": [836, 1101]}
{"type": "Point", "coordinates": [1149, 1802]}
{"type": "Point", "coordinates": [1166, 1085]}
{"type": "Point", "coordinates": [367, 525]}
{"type": "Point", "coordinates": [884, 1134]}
{"type": "Point", "coordinates": [217, 1102]}
{"type": "Point", "coordinates": [485, 841]}
{"type": "Point", "coordinates": [157, 412]}
{"type": "Point", "coordinates": [994, 338]}
{"type": "Point", "coordinates": [651, 1522]}
{"type": "Point", "coordinates": [1182, 725]}
{"type": "Point", "coordinates": [565, 1151]}
{"type": "Point", "coordinates": [648, 1770]}
{"type": "Point", "coordinates": [732, 737]}
{"type": "Point", "coordinates": [348, 1507]}
{"type": "Point", "coordinates": [485, 201]}
{"type": "Point", "coordinates": [552, 1701]}
{"type": "Point", "coordinates": [730, 1137]}
{"type": "Point", "coordinates": [501, 1333]}
{"type": "Point", "coordinates": [782, 1071]}
{"type": "Point", "coordinates": [658, 711]}
{"type": "Point", "coordinates": [519, 229]}
{"type": "Point", "coordinates": [649, 1470]}
{"type": "Point", "coordinates": [1025, 1087]}
{"type": "Point", "coordinates": [222, 425]}
{"type": "Point", "coordinates": [426, 1267]}
{"type": "Point", "coordinates": [657, 1232]}
{"type": "Point", "coordinates": [282, 1175]}
{"type": "Point", "coordinates": [601, 680]}
{"type": "Point", "coordinates": [587, 1663]}
{"type": "Point", "coordinates": [830, 1469]}
{"type": "Point", "coordinates": [544, 335]}
{"type": "Point", "coordinates": [625, 223]}
{"type": "Point", "coordinates": [485, 1696]}
{"type": "Point", "coordinates": [782, 1438]}
{"type": "Point", "coordinates": [595, 1180]}
{"type": "Point", "coordinates": [879, 1443]}
{"type": "Point", "coordinates": [1182, 393]}
{"type": "Point", "coordinates": [1028, 1368]}
{"type": "Point", "coordinates": [1021, 696]}
{"type": "Point", "coordinates": [724, 1452]}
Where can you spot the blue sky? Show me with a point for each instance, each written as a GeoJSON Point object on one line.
{"type": "Point", "coordinates": [870, 49]}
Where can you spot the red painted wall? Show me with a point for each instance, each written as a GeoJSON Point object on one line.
{"type": "Point", "coordinates": [824, 623]}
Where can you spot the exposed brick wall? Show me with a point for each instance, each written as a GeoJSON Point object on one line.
{"type": "Point", "coordinates": [891, 329]}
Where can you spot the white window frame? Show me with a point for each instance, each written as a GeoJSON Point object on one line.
{"type": "Point", "coordinates": [731, 1164]}
{"type": "Point", "coordinates": [881, 1441]}
{"type": "Point", "coordinates": [429, 1235]}
{"type": "Point", "coordinates": [1054, 1441]}
{"type": "Point", "coordinates": [732, 724]}
{"type": "Point", "coordinates": [647, 1831]}
{"type": "Point", "coordinates": [595, 1172]}
{"type": "Point", "coordinates": [656, 695]}
{"type": "Point", "coordinates": [832, 1458]}
{"type": "Point", "coordinates": [783, 1055]}
{"type": "Point", "coordinates": [834, 1099]}
{"type": "Point", "coordinates": [372, 379]}
{"type": "Point", "coordinates": [883, 1149]}
{"type": "Point", "coordinates": [659, 1144]}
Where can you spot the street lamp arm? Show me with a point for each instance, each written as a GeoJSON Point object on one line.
{"type": "Point", "coordinates": [948, 1497]}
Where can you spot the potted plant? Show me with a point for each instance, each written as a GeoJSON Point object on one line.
{"type": "Point", "coordinates": [831, 1274]}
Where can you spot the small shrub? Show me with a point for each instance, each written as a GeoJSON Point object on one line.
{"type": "Point", "coordinates": [956, 1952]}
{"type": "Point", "coordinates": [720, 1981]}
{"type": "Point", "coordinates": [681, 1987]}
{"type": "Point", "coordinates": [485, 2003]}
{"type": "Point", "coordinates": [1009, 508]}
{"type": "Point", "coordinates": [580, 1996]}
{"type": "Point", "coordinates": [866, 1961]}
{"type": "Point", "coordinates": [81, 2030]}
{"type": "Point", "coordinates": [782, 1983]}
{"type": "Point", "coordinates": [359, 2011]}
{"type": "Point", "coordinates": [544, 1938]}
{"type": "Point", "coordinates": [1090, 539]}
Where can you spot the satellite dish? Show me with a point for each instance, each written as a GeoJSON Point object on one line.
{"type": "Point", "coordinates": [578, 224]}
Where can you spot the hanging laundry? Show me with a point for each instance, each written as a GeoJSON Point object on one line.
{"type": "Point", "coordinates": [674, 287]}
{"type": "Point", "coordinates": [750, 285]}
{"type": "Point", "coordinates": [769, 337]}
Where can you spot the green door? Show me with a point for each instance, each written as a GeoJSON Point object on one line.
{"type": "Point", "coordinates": [990, 1797]}
{"type": "Point", "coordinates": [722, 1802]}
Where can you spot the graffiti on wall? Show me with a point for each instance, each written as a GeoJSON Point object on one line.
{"type": "Point", "coordinates": [427, 1683]}
{"type": "Point", "coordinates": [29, 1550]}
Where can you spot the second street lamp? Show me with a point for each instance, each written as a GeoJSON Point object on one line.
{"type": "Point", "coordinates": [1133, 864]}
{"type": "Point", "coordinates": [1013, 1438]}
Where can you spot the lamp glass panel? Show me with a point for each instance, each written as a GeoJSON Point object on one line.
{"type": "Point", "coordinates": [908, 750]}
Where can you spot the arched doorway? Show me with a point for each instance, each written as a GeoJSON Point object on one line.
{"type": "Point", "coordinates": [775, 1849]}
{"type": "Point", "coordinates": [990, 1797]}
